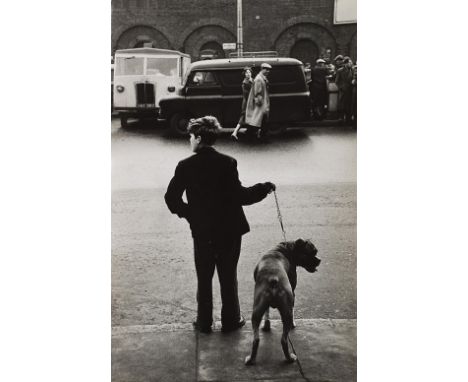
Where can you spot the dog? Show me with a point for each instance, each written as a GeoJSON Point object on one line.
{"type": "Point", "coordinates": [275, 281]}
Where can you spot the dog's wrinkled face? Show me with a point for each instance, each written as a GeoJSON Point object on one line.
{"type": "Point", "coordinates": [306, 255]}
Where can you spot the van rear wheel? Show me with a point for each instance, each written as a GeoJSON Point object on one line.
{"type": "Point", "coordinates": [124, 121]}
{"type": "Point", "coordinates": [178, 124]}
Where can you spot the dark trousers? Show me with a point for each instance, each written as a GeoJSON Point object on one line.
{"type": "Point", "coordinates": [345, 99]}
{"type": "Point", "coordinates": [264, 127]}
{"type": "Point", "coordinates": [224, 255]}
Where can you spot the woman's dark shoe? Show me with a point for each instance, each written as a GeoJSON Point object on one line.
{"type": "Point", "coordinates": [231, 328]}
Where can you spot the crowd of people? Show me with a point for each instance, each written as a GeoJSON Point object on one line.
{"type": "Point", "coordinates": [343, 73]}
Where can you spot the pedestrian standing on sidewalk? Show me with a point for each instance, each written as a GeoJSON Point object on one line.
{"type": "Point", "coordinates": [343, 80]}
{"type": "Point", "coordinates": [338, 64]}
{"type": "Point", "coordinates": [246, 86]}
{"type": "Point", "coordinates": [215, 197]}
{"type": "Point", "coordinates": [319, 89]}
{"type": "Point", "coordinates": [258, 104]}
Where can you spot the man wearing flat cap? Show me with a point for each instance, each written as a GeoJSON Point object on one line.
{"type": "Point", "coordinates": [258, 104]}
{"type": "Point", "coordinates": [338, 61]}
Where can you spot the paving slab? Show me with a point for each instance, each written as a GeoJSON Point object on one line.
{"type": "Point", "coordinates": [153, 354]}
{"type": "Point", "coordinates": [326, 349]}
{"type": "Point", "coordinates": [221, 357]}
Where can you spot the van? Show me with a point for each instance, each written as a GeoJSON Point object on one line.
{"type": "Point", "coordinates": [214, 87]}
{"type": "Point", "coordinates": [142, 76]}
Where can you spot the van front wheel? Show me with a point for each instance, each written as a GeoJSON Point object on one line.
{"type": "Point", "coordinates": [178, 124]}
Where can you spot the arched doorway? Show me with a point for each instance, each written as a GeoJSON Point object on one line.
{"type": "Point", "coordinates": [142, 35]}
{"type": "Point", "coordinates": [306, 42]}
{"type": "Point", "coordinates": [305, 50]}
{"type": "Point", "coordinates": [213, 48]}
{"type": "Point", "coordinates": [208, 37]}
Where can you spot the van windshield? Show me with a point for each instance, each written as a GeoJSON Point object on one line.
{"type": "Point", "coordinates": [128, 66]}
{"type": "Point", "coordinates": [162, 66]}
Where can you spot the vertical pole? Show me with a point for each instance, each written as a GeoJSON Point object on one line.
{"type": "Point", "coordinates": [240, 42]}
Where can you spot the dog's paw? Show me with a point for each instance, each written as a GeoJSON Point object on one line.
{"type": "Point", "coordinates": [266, 326]}
{"type": "Point", "coordinates": [292, 358]}
{"type": "Point", "coordinates": [249, 361]}
{"type": "Point", "coordinates": [294, 324]}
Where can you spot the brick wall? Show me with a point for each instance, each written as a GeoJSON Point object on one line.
{"type": "Point", "coordinates": [303, 27]}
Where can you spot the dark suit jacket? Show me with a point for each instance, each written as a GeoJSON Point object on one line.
{"type": "Point", "coordinates": [214, 193]}
{"type": "Point", "coordinates": [344, 77]}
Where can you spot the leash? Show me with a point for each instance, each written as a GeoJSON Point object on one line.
{"type": "Point", "coordinates": [279, 215]}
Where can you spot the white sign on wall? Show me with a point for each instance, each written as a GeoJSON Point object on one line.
{"type": "Point", "coordinates": [345, 11]}
{"type": "Point", "coordinates": [229, 45]}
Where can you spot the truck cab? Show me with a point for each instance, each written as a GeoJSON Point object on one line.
{"type": "Point", "coordinates": [142, 76]}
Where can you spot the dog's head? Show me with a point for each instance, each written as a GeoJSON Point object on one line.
{"type": "Point", "coordinates": [305, 255]}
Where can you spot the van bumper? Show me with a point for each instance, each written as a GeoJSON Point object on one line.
{"type": "Point", "coordinates": [136, 112]}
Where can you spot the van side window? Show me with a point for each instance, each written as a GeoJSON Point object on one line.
{"type": "Point", "coordinates": [202, 79]}
{"type": "Point", "coordinates": [232, 77]}
{"type": "Point", "coordinates": [287, 79]}
{"type": "Point", "coordinates": [282, 75]}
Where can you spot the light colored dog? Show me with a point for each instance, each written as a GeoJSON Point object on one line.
{"type": "Point", "coordinates": [275, 281]}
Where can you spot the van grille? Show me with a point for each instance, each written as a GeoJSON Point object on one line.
{"type": "Point", "coordinates": [145, 95]}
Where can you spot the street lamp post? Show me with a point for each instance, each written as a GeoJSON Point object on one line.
{"type": "Point", "coordinates": [239, 29]}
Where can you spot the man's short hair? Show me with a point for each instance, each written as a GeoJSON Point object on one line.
{"type": "Point", "coordinates": [206, 127]}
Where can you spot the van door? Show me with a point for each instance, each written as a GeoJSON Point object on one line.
{"type": "Point", "coordinates": [231, 81]}
{"type": "Point", "coordinates": [203, 95]}
{"type": "Point", "coordinates": [289, 95]}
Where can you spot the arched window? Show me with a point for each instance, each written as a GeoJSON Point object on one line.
{"type": "Point", "coordinates": [305, 51]}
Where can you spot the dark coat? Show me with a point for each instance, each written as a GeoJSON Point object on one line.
{"type": "Point", "coordinates": [344, 77]}
{"type": "Point", "coordinates": [318, 86]}
{"type": "Point", "coordinates": [246, 86]}
{"type": "Point", "coordinates": [214, 193]}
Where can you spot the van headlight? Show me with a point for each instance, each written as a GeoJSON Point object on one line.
{"type": "Point", "coordinates": [120, 88]}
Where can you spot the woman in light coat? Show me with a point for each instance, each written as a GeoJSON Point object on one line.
{"type": "Point", "coordinates": [258, 104]}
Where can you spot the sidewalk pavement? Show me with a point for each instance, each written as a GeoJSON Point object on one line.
{"type": "Point", "coordinates": [326, 351]}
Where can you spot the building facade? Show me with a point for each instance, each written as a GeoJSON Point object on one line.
{"type": "Point", "coordinates": [303, 29]}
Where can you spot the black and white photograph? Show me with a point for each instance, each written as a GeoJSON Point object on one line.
{"type": "Point", "coordinates": [234, 129]}
{"type": "Point", "coordinates": [214, 210]}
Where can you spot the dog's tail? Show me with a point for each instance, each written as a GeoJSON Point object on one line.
{"type": "Point", "coordinates": [273, 281]}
